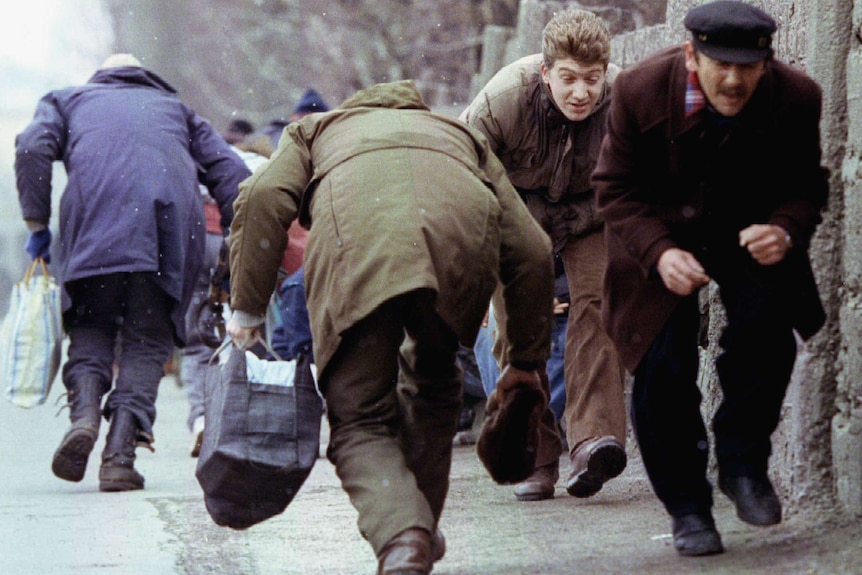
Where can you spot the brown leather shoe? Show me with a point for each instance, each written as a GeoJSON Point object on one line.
{"type": "Point", "coordinates": [408, 553]}
{"type": "Point", "coordinates": [595, 461]}
{"type": "Point", "coordinates": [540, 485]}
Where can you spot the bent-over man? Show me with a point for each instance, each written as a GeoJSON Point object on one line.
{"type": "Point", "coordinates": [412, 225]}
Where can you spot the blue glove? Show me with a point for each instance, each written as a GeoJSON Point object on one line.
{"type": "Point", "coordinates": [39, 245]}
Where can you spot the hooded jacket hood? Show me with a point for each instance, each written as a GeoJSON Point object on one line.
{"type": "Point", "coordinates": [397, 95]}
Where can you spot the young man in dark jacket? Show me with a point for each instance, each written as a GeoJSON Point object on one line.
{"type": "Point", "coordinates": [711, 170]}
{"type": "Point", "coordinates": [131, 240]}
{"type": "Point", "coordinates": [544, 116]}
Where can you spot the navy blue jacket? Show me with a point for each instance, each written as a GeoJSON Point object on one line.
{"type": "Point", "coordinates": [134, 156]}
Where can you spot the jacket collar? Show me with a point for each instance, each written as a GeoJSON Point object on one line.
{"type": "Point", "coordinates": [680, 123]}
{"type": "Point", "coordinates": [396, 95]}
{"type": "Point", "coordinates": [131, 75]}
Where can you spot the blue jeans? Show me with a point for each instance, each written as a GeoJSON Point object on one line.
{"type": "Point", "coordinates": [556, 377]}
{"type": "Point", "coordinates": [195, 357]}
{"type": "Point", "coordinates": [491, 372]}
{"type": "Point", "coordinates": [293, 335]}
{"type": "Point", "coordinates": [485, 360]}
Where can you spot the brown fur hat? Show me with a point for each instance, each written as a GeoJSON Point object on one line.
{"type": "Point", "coordinates": [509, 438]}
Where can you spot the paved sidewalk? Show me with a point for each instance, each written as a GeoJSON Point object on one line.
{"type": "Point", "coordinates": [52, 527]}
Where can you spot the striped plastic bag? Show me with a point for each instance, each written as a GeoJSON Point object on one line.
{"type": "Point", "coordinates": [31, 337]}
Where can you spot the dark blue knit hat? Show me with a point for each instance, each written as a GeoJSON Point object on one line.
{"type": "Point", "coordinates": [310, 102]}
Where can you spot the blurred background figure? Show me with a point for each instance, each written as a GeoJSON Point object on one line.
{"type": "Point", "coordinates": [205, 331]}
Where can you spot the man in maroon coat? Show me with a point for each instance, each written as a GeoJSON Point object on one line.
{"type": "Point", "coordinates": [716, 175]}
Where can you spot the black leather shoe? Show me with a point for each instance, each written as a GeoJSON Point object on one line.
{"type": "Point", "coordinates": [695, 535]}
{"type": "Point", "coordinates": [755, 499]}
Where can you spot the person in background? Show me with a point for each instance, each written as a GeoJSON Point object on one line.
{"type": "Point", "coordinates": [711, 171]}
{"type": "Point", "coordinates": [487, 365]}
{"type": "Point", "coordinates": [200, 332]}
{"type": "Point", "coordinates": [544, 116]}
{"type": "Point", "coordinates": [393, 227]}
{"type": "Point", "coordinates": [237, 131]}
{"type": "Point", "coordinates": [131, 239]}
{"type": "Point", "coordinates": [291, 333]}
{"type": "Point", "coordinates": [265, 142]}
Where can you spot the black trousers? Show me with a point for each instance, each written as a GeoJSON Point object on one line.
{"type": "Point", "coordinates": [122, 319]}
{"type": "Point", "coordinates": [754, 368]}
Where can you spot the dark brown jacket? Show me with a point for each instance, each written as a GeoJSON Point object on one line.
{"type": "Point", "coordinates": [654, 185]}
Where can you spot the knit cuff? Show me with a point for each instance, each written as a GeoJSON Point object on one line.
{"type": "Point", "coordinates": [245, 319]}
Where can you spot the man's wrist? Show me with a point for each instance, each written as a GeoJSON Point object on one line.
{"type": "Point", "coordinates": [247, 320]}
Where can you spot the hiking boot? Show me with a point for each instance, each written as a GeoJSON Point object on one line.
{"type": "Point", "coordinates": [118, 459]}
{"type": "Point", "coordinates": [85, 413]}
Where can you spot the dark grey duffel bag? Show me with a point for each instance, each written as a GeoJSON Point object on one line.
{"type": "Point", "coordinates": [260, 442]}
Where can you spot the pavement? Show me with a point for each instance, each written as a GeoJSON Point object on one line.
{"type": "Point", "coordinates": [52, 527]}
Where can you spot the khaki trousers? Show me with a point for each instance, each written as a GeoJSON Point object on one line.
{"type": "Point", "coordinates": [393, 397]}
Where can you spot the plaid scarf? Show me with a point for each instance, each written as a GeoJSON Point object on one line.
{"type": "Point", "coordinates": [695, 101]}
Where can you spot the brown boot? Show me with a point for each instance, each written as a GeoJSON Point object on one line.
{"type": "Point", "coordinates": [85, 413]}
{"type": "Point", "coordinates": [118, 459]}
{"type": "Point", "coordinates": [540, 485]}
{"type": "Point", "coordinates": [408, 553]}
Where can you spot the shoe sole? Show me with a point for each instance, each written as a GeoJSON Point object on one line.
{"type": "Point", "coordinates": [114, 479]}
{"type": "Point", "coordinates": [116, 487]}
{"type": "Point", "coordinates": [534, 496]}
{"type": "Point", "coordinates": [70, 459]}
{"type": "Point", "coordinates": [701, 550]}
{"type": "Point", "coordinates": [605, 463]}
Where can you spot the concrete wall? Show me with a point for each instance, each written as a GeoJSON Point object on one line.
{"type": "Point", "coordinates": [817, 459]}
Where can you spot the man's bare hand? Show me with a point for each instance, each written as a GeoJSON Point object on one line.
{"type": "Point", "coordinates": [242, 337]}
{"type": "Point", "coordinates": [681, 272]}
{"type": "Point", "coordinates": [767, 243]}
{"type": "Point", "coordinates": [560, 307]}
{"type": "Point", "coordinates": [512, 376]}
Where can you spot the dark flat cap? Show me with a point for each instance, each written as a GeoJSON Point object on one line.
{"type": "Point", "coordinates": [509, 438]}
{"type": "Point", "coordinates": [731, 31]}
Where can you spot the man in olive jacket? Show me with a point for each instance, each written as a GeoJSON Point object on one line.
{"type": "Point", "coordinates": [711, 170]}
{"type": "Point", "coordinates": [412, 224]}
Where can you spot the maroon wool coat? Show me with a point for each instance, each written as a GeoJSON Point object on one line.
{"type": "Point", "coordinates": [653, 181]}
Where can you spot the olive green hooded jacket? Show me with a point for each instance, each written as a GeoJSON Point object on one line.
{"type": "Point", "coordinates": [396, 198]}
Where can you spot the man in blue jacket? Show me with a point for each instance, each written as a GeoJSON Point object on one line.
{"type": "Point", "coordinates": [131, 240]}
